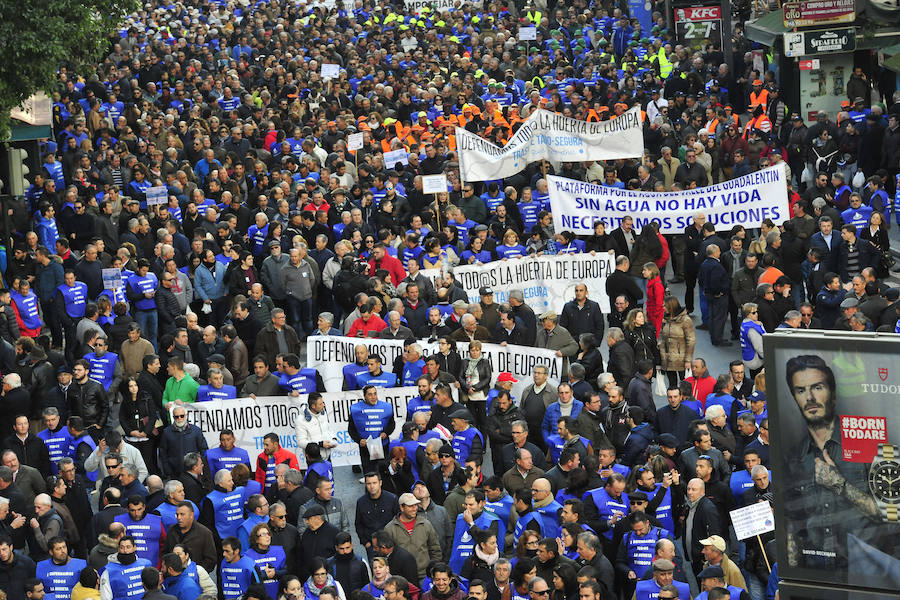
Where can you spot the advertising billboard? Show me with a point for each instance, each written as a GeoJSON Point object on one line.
{"type": "Point", "coordinates": [835, 431]}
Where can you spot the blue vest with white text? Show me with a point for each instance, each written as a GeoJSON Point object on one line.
{"type": "Point", "coordinates": [60, 579]}
{"type": "Point", "coordinates": [228, 508]}
{"type": "Point", "coordinates": [371, 420]}
{"type": "Point", "coordinates": [58, 444]}
{"type": "Point", "coordinates": [464, 544]}
{"type": "Point", "coordinates": [649, 590]}
{"type": "Point", "coordinates": [146, 532]}
{"type": "Point", "coordinates": [74, 298]}
{"type": "Point", "coordinates": [205, 393]}
{"type": "Point", "coordinates": [606, 504]}
{"type": "Point", "coordinates": [103, 367]}
{"type": "Point", "coordinates": [222, 459]}
{"type": "Point", "coordinates": [462, 443]}
{"type": "Point", "coordinates": [28, 309]}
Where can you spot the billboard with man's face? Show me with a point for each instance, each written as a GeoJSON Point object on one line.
{"type": "Point", "coordinates": [834, 417]}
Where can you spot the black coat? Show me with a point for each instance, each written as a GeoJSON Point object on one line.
{"type": "Point", "coordinates": [403, 563]}
{"type": "Point", "coordinates": [588, 319]}
{"type": "Point", "coordinates": [621, 363]}
{"type": "Point", "coordinates": [706, 523]}
{"type": "Point", "coordinates": [13, 576]}
{"type": "Point", "coordinates": [620, 283]}
{"type": "Point", "coordinates": [316, 543]}
{"type": "Point", "coordinates": [869, 256]}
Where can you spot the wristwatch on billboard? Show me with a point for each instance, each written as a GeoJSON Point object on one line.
{"type": "Point", "coordinates": [884, 481]}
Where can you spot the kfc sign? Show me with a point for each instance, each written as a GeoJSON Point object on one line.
{"type": "Point", "coordinates": [698, 13]}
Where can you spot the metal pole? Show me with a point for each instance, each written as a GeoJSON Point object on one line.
{"type": "Point", "coordinates": [727, 48]}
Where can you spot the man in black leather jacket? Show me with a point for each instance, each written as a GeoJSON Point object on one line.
{"type": "Point", "coordinates": [90, 401]}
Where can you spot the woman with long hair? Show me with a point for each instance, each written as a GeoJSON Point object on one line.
{"type": "Point", "coordinates": [290, 588]}
{"type": "Point", "coordinates": [676, 340]}
{"type": "Point", "coordinates": [752, 332]}
{"type": "Point", "coordinates": [140, 419]}
{"type": "Point", "coordinates": [270, 560]}
{"type": "Point", "coordinates": [876, 233]}
{"type": "Point", "coordinates": [565, 582]}
{"type": "Point", "coordinates": [569, 537]}
{"type": "Point", "coordinates": [589, 357]}
{"type": "Point", "coordinates": [641, 336]}
{"type": "Point", "coordinates": [480, 564]}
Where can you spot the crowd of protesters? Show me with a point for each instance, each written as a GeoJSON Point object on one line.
{"type": "Point", "coordinates": [271, 230]}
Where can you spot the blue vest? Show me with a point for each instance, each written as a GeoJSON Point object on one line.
{"type": "Point", "coordinates": [547, 519]}
{"type": "Point", "coordinates": [247, 526]}
{"type": "Point", "coordinates": [385, 379]}
{"type": "Point", "coordinates": [664, 510]}
{"type": "Point", "coordinates": [695, 406]}
{"type": "Point", "coordinates": [411, 446]}
{"type": "Point", "coordinates": [371, 420]}
{"type": "Point", "coordinates": [60, 579]}
{"type": "Point", "coordinates": [75, 299]}
{"type": "Point", "coordinates": [205, 393]}
{"type": "Point", "coordinates": [125, 580]}
{"type": "Point", "coordinates": [228, 509]}
{"type": "Point", "coordinates": [606, 504]}
{"type": "Point", "coordinates": [639, 550]}
{"type": "Point", "coordinates": [464, 544]}
{"type": "Point", "coordinates": [733, 589]}
{"type": "Point", "coordinates": [858, 217]}
{"type": "Point", "coordinates": [191, 571]}
{"type": "Point", "coordinates": [274, 558]}
{"type": "Point", "coordinates": [726, 401]}
{"type": "Point", "coordinates": [462, 443]}
{"type": "Point", "coordinates": [28, 309]}
{"type": "Point", "coordinates": [142, 285]}
{"type": "Point", "coordinates": [166, 511]}
{"type": "Point", "coordinates": [146, 532]}
{"type": "Point", "coordinates": [56, 173]}
{"type": "Point", "coordinates": [350, 373]}
{"type": "Point", "coordinates": [220, 459]}
{"type": "Point", "coordinates": [747, 351]}
{"type": "Point", "coordinates": [73, 451]}
{"type": "Point", "coordinates": [58, 444]}
{"type": "Point", "coordinates": [649, 590]}
{"type": "Point", "coordinates": [237, 577]}
{"type": "Point", "coordinates": [300, 383]}
{"type": "Point", "coordinates": [501, 508]}
{"type": "Point", "coordinates": [252, 488]}
{"type": "Point", "coordinates": [412, 371]}
{"type": "Point", "coordinates": [555, 445]}
{"type": "Point", "coordinates": [257, 238]}
{"type": "Point", "coordinates": [182, 587]}
{"type": "Point", "coordinates": [103, 367]}
{"type": "Point", "coordinates": [416, 404]}
{"type": "Point", "coordinates": [322, 468]}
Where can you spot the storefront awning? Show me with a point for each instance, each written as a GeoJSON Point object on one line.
{"type": "Point", "coordinates": [766, 29]}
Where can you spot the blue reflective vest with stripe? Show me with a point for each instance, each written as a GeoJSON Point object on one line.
{"type": "Point", "coordinates": [146, 532]}
{"type": "Point", "coordinates": [102, 367]}
{"type": "Point", "coordinates": [464, 544]}
{"type": "Point", "coordinates": [166, 511]}
{"type": "Point", "coordinates": [228, 508]}
{"type": "Point", "coordinates": [58, 445]}
{"type": "Point", "coordinates": [125, 580]}
{"type": "Point", "coordinates": [649, 590]}
{"type": "Point", "coordinates": [639, 550]}
{"type": "Point", "coordinates": [74, 299]}
{"type": "Point", "coordinates": [371, 419]}
{"type": "Point", "coordinates": [219, 458]}
{"type": "Point", "coordinates": [205, 393]}
{"type": "Point", "coordinates": [60, 579]}
{"type": "Point", "coordinates": [142, 285]}
{"type": "Point", "coordinates": [28, 309]}
{"type": "Point", "coordinates": [462, 443]}
{"type": "Point", "coordinates": [606, 504]}
{"type": "Point", "coordinates": [237, 577]}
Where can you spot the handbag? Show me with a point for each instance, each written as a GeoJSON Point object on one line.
{"type": "Point", "coordinates": [887, 261]}
{"type": "Point", "coordinates": [659, 385]}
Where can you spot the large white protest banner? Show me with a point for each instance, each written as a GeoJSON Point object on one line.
{"type": "Point", "coordinates": [550, 136]}
{"type": "Point", "coordinates": [548, 282]}
{"type": "Point", "coordinates": [329, 354]}
{"type": "Point", "coordinates": [253, 418]}
{"type": "Point", "coordinates": [747, 201]}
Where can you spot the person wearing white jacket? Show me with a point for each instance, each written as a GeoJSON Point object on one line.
{"type": "Point", "coordinates": [312, 426]}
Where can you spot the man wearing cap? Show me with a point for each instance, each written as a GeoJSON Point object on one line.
{"type": "Point", "coordinates": [413, 532]}
{"type": "Point", "coordinates": [662, 583]}
{"type": "Point", "coordinates": [713, 577]}
{"type": "Point", "coordinates": [714, 552]}
{"type": "Point", "coordinates": [555, 337]}
{"type": "Point", "coordinates": [490, 311]}
{"type": "Point", "coordinates": [468, 442]}
{"type": "Point", "coordinates": [317, 539]}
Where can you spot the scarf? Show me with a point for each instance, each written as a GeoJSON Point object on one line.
{"type": "Point", "coordinates": [489, 559]}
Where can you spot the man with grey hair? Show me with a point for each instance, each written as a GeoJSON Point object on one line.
{"type": "Point", "coordinates": [173, 493]}
{"type": "Point", "coordinates": [525, 314]}
{"type": "Point", "coordinates": [294, 494]}
{"type": "Point", "coordinates": [129, 482]}
{"type": "Point", "coordinates": [395, 329]}
{"type": "Point", "coordinates": [791, 320]}
{"type": "Point", "coordinates": [621, 357]}
{"type": "Point", "coordinates": [470, 330]}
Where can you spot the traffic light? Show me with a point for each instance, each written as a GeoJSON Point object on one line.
{"type": "Point", "coordinates": [18, 171]}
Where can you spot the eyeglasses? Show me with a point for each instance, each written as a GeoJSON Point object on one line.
{"type": "Point", "coordinates": [637, 502]}
{"type": "Point", "coordinates": [540, 592]}
{"type": "Point", "coordinates": [278, 516]}
{"type": "Point", "coordinates": [180, 416]}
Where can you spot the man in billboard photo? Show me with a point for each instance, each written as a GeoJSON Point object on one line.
{"type": "Point", "coordinates": [833, 521]}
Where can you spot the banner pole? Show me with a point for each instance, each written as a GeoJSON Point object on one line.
{"type": "Point", "coordinates": [768, 566]}
{"type": "Point", "coordinates": [437, 213]}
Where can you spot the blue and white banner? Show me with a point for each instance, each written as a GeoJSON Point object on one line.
{"type": "Point", "coordinates": [547, 282]}
{"type": "Point", "coordinates": [550, 136]}
{"type": "Point", "coordinates": [253, 418]}
{"type": "Point", "coordinates": [747, 201]}
{"type": "Point", "coordinates": [329, 354]}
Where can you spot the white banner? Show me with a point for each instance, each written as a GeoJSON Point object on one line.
{"type": "Point", "coordinates": [548, 282]}
{"type": "Point", "coordinates": [251, 419]}
{"type": "Point", "coordinates": [550, 136]}
{"type": "Point", "coordinates": [328, 355]}
{"type": "Point", "coordinates": [747, 201]}
{"type": "Point", "coordinates": [416, 6]}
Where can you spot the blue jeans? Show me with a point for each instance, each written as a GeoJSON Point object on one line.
{"type": "Point", "coordinates": [148, 320]}
{"type": "Point", "coordinates": [704, 307]}
{"type": "Point", "coordinates": [300, 315]}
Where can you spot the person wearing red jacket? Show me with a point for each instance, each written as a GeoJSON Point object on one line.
{"type": "Point", "coordinates": [272, 456]}
{"type": "Point", "coordinates": [382, 260]}
{"type": "Point", "coordinates": [702, 383]}
{"type": "Point", "coordinates": [369, 324]}
{"type": "Point", "coordinates": [656, 293]}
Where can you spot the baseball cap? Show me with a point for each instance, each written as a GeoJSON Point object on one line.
{"type": "Point", "coordinates": [757, 396]}
{"type": "Point", "coordinates": [668, 440]}
{"type": "Point", "coordinates": [715, 541]}
{"type": "Point", "coordinates": [216, 358]}
{"type": "Point", "coordinates": [407, 499]}
{"type": "Point", "coordinates": [506, 376]}
{"type": "Point", "coordinates": [485, 291]}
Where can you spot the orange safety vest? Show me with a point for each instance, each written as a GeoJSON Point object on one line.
{"type": "Point", "coordinates": [711, 126]}
{"type": "Point", "coordinates": [761, 98]}
{"type": "Point", "coordinates": [592, 116]}
{"type": "Point", "coordinates": [757, 124]}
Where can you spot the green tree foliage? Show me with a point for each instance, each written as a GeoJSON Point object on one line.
{"type": "Point", "coordinates": [36, 38]}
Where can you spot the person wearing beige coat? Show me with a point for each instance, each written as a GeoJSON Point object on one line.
{"type": "Point", "coordinates": [676, 340]}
